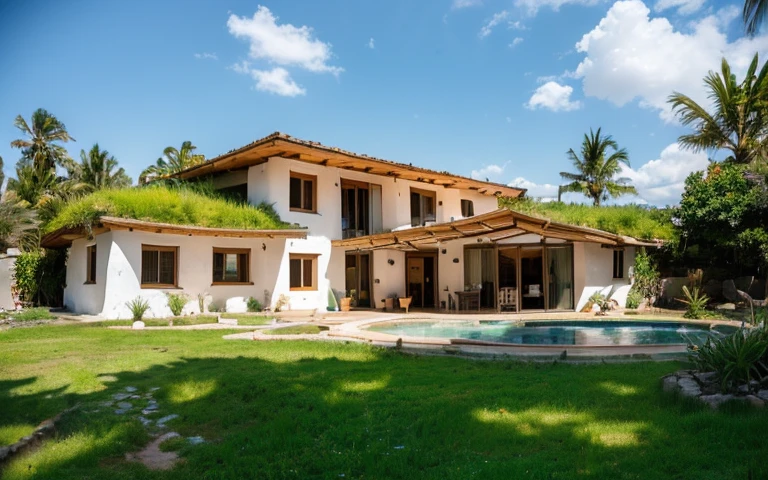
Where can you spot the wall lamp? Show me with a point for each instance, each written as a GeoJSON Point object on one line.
{"type": "Point", "coordinates": [264, 246]}
{"type": "Point", "coordinates": [391, 261]}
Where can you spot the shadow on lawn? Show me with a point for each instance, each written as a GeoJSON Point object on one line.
{"type": "Point", "coordinates": [401, 417]}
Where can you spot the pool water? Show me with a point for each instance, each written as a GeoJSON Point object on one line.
{"type": "Point", "coordinates": [558, 333]}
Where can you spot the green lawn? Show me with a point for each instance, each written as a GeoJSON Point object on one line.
{"type": "Point", "coordinates": [295, 330]}
{"type": "Point", "coordinates": [249, 318]}
{"type": "Point", "coordinates": [322, 410]}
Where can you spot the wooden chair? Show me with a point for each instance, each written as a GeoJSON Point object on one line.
{"type": "Point", "coordinates": [507, 298]}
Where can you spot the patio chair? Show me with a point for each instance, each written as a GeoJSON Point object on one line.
{"type": "Point", "coordinates": [507, 298]}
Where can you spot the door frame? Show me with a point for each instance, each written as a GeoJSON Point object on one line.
{"type": "Point", "coordinates": [358, 254]}
{"type": "Point", "coordinates": [424, 254]}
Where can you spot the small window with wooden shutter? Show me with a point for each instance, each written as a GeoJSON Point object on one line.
{"type": "Point", "coordinates": [90, 273]}
{"type": "Point", "coordinates": [231, 266]}
{"type": "Point", "coordinates": [159, 266]}
{"type": "Point", "coordinates": [303, 193]}
{"type": "Point", "coordinates": [303, 271]}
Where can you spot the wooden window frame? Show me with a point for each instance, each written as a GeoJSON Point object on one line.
{"type": "Point", "coordinates": [302, 257]}
{"type": "Point", "coordinates": [90, 265]}
{"type": "Point", "coordinates": [620, 252]}
{"type": "Point", "coordinates": [237, 251]}
{"type": "Point", "coordinates": [424, 193]}
{"type": "Point", "coordinates": [162, 248]}
{"type": "Point", "coordinates": [304, 178]}
{"type": "Point", "coordinates": [470, 207]}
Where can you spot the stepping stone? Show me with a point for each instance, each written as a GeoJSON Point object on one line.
{"type": "Point", "coordinates": [124, 405]}
{"type": "Point", "coordinates": [167, 418]}
{"type": "Point", "coordinates": [195, 440]}
{"type": "Point", "coordinates": [131, 389]}
{"type": "Point", "coordinates": [120, 396]}
{"type": "Point", "coordinates": [135, 397]}
{"type": "Point", "coordinates": [154, 389]}
{"type": "Point", "coordinates": [145, 421]}
{"type": "Point", "coordinates": [105, 404]}
{"type": "Point", "coordinates": [120, 411]}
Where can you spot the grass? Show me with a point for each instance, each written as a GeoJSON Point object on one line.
{"type": "Point", "coordinates": [160, 322]}
{"type": "Point", "coordinates": [322, 410]}
{"type": "Point", "coordinates": [249, 318]}
{"type": "Point", "coordinates": [630, 220]}
{"type": "Point", "coordinates": [28, 314]}
{"type": "Point", "coordinates": [295, 330]}
{"type": "Point", "coordinates": [167, 205]}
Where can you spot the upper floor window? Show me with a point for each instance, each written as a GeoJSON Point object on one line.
{"type": "Point", "coordinates": [618, 263]}
{"type": "Point", "coordinates": [422, 207]}
{"type": "Point", "coordinates": [360, 208]}
{"type": "Point", "coordinates": [231, 265]}
{"type": "Point", "coordinates": [303, 194]}
{"type": "Point", "coordinates": [467, 208]}
{"type": "Point", "coordinates": [159, 266]}
{"type": "Point", "coordinates": [90, 274]}
{"type": "Point", "coordinates": [303, 271]}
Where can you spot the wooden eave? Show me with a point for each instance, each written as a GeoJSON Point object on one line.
{"type": "Point", "coordinates": [285, 146]}
{"type": "Point", "coordinates": [64, 236]}
{"type": "Point", "coordinates": [497, 225]}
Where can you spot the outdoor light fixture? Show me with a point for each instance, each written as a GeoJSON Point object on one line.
{"type": "Point", "coordinates": [455, 260]}
{"type": "Point", "coordinates": [264, 246]}
{"type": "Point", "coordinates": [444, 251]}
{"type": "Point", "coordinates": [391, 262]}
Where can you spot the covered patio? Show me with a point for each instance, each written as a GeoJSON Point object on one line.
{"type": "Point", "coordinates": [501, 261]}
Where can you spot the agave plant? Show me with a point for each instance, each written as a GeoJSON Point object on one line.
{"type": "Point", "coordinates": [138, 307]}
{"type": "Point", "coordinates": [696, 301]}
{"type": "Point", "coordinates": [737, 359]}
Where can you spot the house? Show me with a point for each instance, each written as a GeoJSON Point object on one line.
{"type": "Point", "coordinates": [372, 228]}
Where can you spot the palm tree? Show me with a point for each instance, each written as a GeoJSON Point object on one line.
{"type": "Point", "coordinates": [754, 13]}
{"type": "Point", "coordinates": [174, 162]}
{"type": "Point", "coordinates": [96, 170]}
{"type": "Point", "coordinates": [595, 177]}
{"type": "Point", "coordinates": [739, 120]}
{"type": "Point", "coordinates": [41, 147]}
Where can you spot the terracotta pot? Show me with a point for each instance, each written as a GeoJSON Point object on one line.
{"type": "Point", "coordinates": [405, 302]}
{"type": "Point", "coordinates": [389, 304]}
{"type": "Point", "coordinates": [345, 303]}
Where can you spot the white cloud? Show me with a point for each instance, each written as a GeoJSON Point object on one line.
{"type": "Point", "coordinates": [553, 96]}
{"type": "Point", "coordinates": [532, 7]}
{"type": "Point", "coordinates": [371, 44]}
{"type": "Point", "coordinates": [517, 25]}
{"type": "Point", "coordinates": [517, 41]}
{"type": "Point", "coordinates": [544, 191]}
{"type": "Point", "coordinates": [492, 172]}
{"type": "Point", "coordinates": [493, 23]}
{"type": "Point", "coordinates": [285, 44]}
{"type": "Point", "coordinates": [459, 4]}
{"type": "Point", "coordinates": [206, 56]}
{"type": "Point", "coordinates": [684, 7]}
{"type": "Point", "coordinates": [632, 56]}
{"type": "Point", "coordinates": [277, 81]}
{"type": "Point", "coordinates": [662, 181]}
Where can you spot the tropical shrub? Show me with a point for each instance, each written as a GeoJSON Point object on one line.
{"type": "Point", "coordinates": [253, 305]}
{"type": "Point", "coordinates": [213, 308]}
{"type": "Point", "coordinates": [138, 307]}
{"type": "Point", "coordinates": [176, 302]}
{"type": "Point", "coordinates": [737, 358]}
{"type": "Point", "coordinates": [634, 298]}
{"type": "Point", "coordinates": [601, 301]}
{"type": "Point", "coordinates": [647, 281]}
{"type": "Point", "coordinates": [40, 276]}
{"type": "Point", "coordinates": [25, 273]}
{"type": "Point", "coordinates": [696, 301]}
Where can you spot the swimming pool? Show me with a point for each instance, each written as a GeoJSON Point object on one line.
{"type": "Point", "coordinates": [596, 333]}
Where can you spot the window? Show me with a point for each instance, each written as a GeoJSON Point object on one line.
{"type": "Point", "coordinates": [159, 266]}
{"type": "Point", "coordinates": [303, 194]}
{"type": "Point", "coordinates": [90, 273]}
{"type": "Point", "coordinates": [618, 264]}
{"type": "Point", "coordinates": [467, 208]}
{"type": "Point", "coordinates": [360, 209]}
{"type": "Point", "coordinates": [231, 265]}
{"type": "Point", "coordinates": [422, 207]}
{"type": "Point", "coordinates": [303, 272]}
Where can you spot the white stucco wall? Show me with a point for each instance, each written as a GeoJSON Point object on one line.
{"type": "Point", "coordinates": [269, 182]}
{"type": "Point", "coordinates": [593, 272]}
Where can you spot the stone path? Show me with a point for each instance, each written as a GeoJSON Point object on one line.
{"type": "Point", "coordinates": [705, 387]}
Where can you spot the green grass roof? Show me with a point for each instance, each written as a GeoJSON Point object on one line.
{"type": "Point", "coordinates": [165, 205]}
{"type": "Point", "coordinates": [631, 220]}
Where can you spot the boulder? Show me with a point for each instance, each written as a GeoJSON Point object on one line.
{"type": "Point", "coordinates": [689, 387]}
{"type": "Point", "coordinates": [755, 401]}
{"type": "Point", "coordinates": [138, 325]}
{"type": "Point", "coordinates": [669, 383]}
{"type": "Point", "coordinates": [726, 306]}
{"type": "Point", "coordinates": [716, 400]}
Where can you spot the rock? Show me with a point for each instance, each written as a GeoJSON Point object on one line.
{"type": "Point", "coordinates": [755, 401]}
{"type": "Point", "coordinates": [131, 389]}
{"type": "Point", "coordinates": [120, 411]}
{"type": "Point", "coordinates": [689, 387]}
{"type": "Point", "coordinates": [135, 397]}
{"type": "Point", "coordinates": [105, 404]}
{"type": "Point", "coordinates": [726, 306]}
{"type": "Point", "coordinates": [124, 405]}
{"type": "Point", "coordinates": [763, 394]}
{"type": "Point", "coordinates": [716, 400]}
{"type": "Point", "coordinates": [166, 418]}
{"type": "Point", "coordinates": [705, 377]}
{"type": "Point", "coordinates": [138, 325]}
{"type": "Point", "coordinates": [684, 374]}
{"type": "Point", "coordinates": [145, 421]}
{"type": "Point", "coordinates": [669, 383]}
{"type": "Point", "coordinates": [195, 440]}
{"type": "Point", "coordinates": [120, 396]}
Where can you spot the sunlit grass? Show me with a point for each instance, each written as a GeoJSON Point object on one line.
{"type": "Point", "coordinates": [190, 390]}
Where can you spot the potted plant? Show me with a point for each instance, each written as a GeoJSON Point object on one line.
{"type": "Point", "coordinates": [345, 302]}
{"type": "Point", "coordinates": [405, 302]}
{"type": "Point", "coordinates": [389, 302]}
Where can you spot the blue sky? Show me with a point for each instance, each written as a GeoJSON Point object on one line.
{"type": "Point", "coordinates": [493, 89]}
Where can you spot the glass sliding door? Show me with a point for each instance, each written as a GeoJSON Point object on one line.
{"type": "Point", "coordinates": [509, 294]}
{"type": "Point", "coordinates": [355, 221]}
{"type": "Point", "coordinates": [532, 278]}
{"type": "Point", "coordinates": [358, 279]}
{"type": "Point", "coordinates": [480, 274]}
{"type": "Point", "coordinates": [560, 277]}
